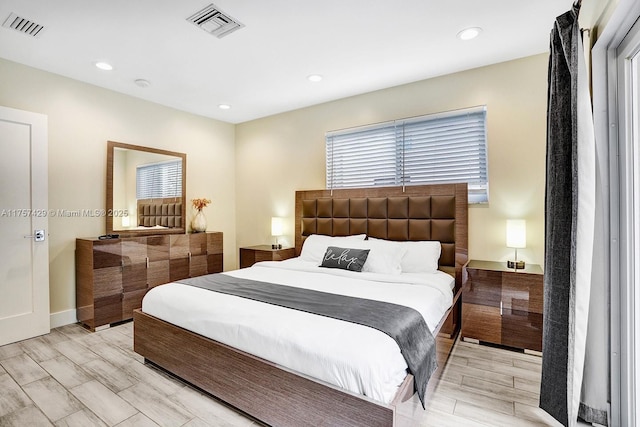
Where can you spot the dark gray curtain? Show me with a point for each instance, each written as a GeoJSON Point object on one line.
{"type": "Point", "coordinates": [569, 222]}
{"type": "Point", "coordinates": [560, 217]}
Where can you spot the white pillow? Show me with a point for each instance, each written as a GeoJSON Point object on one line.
{"type": "Point", "coordinates": [384, 255]}
{"type": "Point", "coordinates": [316, 245]}
{"type": "Point", "coordinates": [419, 257]}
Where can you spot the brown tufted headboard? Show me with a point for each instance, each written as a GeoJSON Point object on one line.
{"type": "Point", "coordinates": [424, 212]}
{"type": "Point", "coordinates": [166, 212]}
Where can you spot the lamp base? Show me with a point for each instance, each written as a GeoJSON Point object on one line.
{"type": "Point", "coordinates": [518, 265]}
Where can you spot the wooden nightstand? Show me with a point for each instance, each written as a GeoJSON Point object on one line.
{"type": "Point", "coordinates": [503, 306]}
{"type": "Point", "coordinates": [252, 254]}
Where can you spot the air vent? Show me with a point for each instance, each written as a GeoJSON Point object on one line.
{"type": "Point", "coordinates": [23, 25]}
{"type": "Point", "coordinates": [214, 21]}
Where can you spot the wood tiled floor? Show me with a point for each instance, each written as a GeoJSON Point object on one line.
{"type": "Point", "coordinates": [71, 377]}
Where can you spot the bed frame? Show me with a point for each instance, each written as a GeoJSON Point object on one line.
{"type": "Point", "coordinates": [278, 396]}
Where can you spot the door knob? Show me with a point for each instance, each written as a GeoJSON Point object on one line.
{"type": "Point", "coordinates": [38, 236]}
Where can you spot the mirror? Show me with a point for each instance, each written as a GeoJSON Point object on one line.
{"type": "Point", "coordinates": [145, 190]}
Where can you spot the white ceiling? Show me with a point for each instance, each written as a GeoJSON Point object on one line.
{"type": "Point", "coordinates": [357, 45]}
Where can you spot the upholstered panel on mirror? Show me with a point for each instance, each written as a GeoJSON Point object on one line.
{"type": "Point", "coordinates": [160, 212]}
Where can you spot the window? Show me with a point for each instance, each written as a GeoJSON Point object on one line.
{"type": "Point", "coordinates": [434, 149]}
{"type": "Point", "coordinates": [158, 180]}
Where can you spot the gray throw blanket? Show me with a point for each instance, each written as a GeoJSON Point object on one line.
{"type": "Point", "coordinates": [405, 325]}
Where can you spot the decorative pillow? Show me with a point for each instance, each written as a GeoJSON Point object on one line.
{"type": "Point", "coordinates": [420, 256]}
{"type": "Point", "coordinates": [384, 256]}
{"type": "Point", "coordinates": [345, 258]}
{"type": "Point", "coordinates": [316, 245]}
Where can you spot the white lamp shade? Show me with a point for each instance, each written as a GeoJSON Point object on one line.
{"type": "Point", "coordinates": [276, 226]}
{"type": "Point", "coordinates": [516, 233]}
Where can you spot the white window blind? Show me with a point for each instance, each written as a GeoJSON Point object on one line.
{"type": "Point", "coordinates": [158, 180]}
{"type": "Point", "coordinates": [438, 148]}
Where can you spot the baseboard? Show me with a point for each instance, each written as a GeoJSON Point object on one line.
{"type": "Point", "coordinates": [62, 318]}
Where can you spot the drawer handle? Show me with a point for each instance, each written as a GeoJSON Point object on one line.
{"type": "Point", "coordinates": [500, 308]}
{"type": "Point", "coordinates": [147, 261]}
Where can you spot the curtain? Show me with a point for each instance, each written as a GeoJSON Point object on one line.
{"type": "Point", "coordinates": [569, 222]}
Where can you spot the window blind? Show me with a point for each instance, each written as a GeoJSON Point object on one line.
{"type": "Point", "coordinates": [158, 180]}
{"type": "Point", "coordinates": [438, 148]}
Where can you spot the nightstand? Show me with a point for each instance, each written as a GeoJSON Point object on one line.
{"type": "Point", "coordinates": [252, 254]}
{"type": "Point", "coordinates": [503, 306]}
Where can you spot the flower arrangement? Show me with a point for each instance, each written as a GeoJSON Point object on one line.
{"type": "Point", "coordinates": [199, 204]}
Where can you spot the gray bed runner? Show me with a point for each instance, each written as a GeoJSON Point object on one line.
{"type": "Point", "coordinates": [405, 325]}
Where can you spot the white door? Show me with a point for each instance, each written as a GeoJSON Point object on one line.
{"type": "Point", "coordinates": [24, 262]}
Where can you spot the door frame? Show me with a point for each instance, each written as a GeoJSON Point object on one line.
{"type": "Point", "coordinates": [611, 142]}
{"type": "Point", "coordinates": [628, 55]}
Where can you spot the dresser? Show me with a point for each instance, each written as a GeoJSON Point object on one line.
{"type": "Point", "coordinates": [251, 254]}
{"type": "Point", "coordinates": [503, 306]}
{"type": "Point", "coordinates": [113, 275]}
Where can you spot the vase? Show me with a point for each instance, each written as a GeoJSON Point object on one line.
{"type": "Point", "coordinates": [199, 222]}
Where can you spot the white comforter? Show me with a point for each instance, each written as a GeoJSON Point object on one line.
{"type": "Point", "coordinates": [357, 358]}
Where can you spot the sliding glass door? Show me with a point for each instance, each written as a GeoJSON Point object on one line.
{"type": "Point", "coordinates": [628, 94]}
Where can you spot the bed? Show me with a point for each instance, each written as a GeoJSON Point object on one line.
{"type": "Point", "coordinates": [276, 386]}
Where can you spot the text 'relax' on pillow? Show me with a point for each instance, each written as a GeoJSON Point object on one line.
{"type": "Point", "coordinates": [345, 258]}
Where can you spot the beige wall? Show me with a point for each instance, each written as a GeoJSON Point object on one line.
{"type": "Point", "coordinates": [280, 154]}
{"type": "Point", "coordinates": [251, 170]}
{"type": "Point", "coordinates": [595, 14]}
{"type": "Point", "coordinates": [82, 118]}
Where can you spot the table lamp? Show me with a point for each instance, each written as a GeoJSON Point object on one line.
{"type": "Point", "coordinates": [276, 230]}
{"type": "Point", "coordinates": [517, 239]}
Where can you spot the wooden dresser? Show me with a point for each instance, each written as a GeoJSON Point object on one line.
{"type": "Point", "coordinates": [252, 254]}
{"type": "Point", "coordinates": [112, 276]}
{"type": "Point", "coordinates": [503, 306]}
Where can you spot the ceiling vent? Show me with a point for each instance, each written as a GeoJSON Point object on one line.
{"type": "Point", "coordinates": [23, 25]}
{"type": "Point", "coordinates": [214, 21]}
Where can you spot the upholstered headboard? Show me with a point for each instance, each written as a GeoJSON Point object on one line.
{"type": "Point", "coordinates": [165, 212]}
{"type": "Point", "coordinates": [425, 212]}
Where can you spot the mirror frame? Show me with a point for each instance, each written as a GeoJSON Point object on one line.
{"type": "Point", "coordinates": [111, 145]}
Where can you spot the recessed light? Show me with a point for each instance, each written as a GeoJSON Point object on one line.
{"type": "Point", "coordinates": [314, 78]}
{"type": "Point", "coordinates": [224, 106]}
{"type": "Point", "coordinates": [142, 83]}
{"type": "Point", "coordinates": [104, 66]}
{"type": "Point", "coordinates": [469, 33]}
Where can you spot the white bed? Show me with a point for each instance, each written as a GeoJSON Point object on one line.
{"type": "Point", "coordinates": [308, 369]}
{"type": "Point", "coordinates": [334, 351]}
